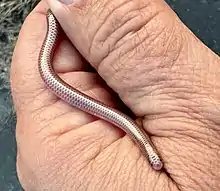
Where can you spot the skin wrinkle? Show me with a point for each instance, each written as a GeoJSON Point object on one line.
{"type": "Point", "coordinates": [80, 185]}
{"type": "Point", "coordinates": [104, 148]}
{"type": "Point", "coordinates": [194, 140]}
{"type": "Point", "coordinates": [103, 143]}
{"type": "Point", "coordinates": [114, 44]}
{"type": "Point", "coordinates": [166, 91]}
{"type": "Point", "coordinates": [108, 12]}
{"type": "Point", "coordinates": [209, 115]}
{"type": "Point", "coordinates": [151, 49]}
{"type": "Point", "coordinates": [202, 140]}
{"type": "Point", "coordinates": [102, 183]}
{"type": "Point", "coordinates": [26, 101]}
{"type": "Point", "coordinates": [116, 164]}
{"type": "Point", "coordinates": [142, 93]}
{"type": "Point", "coordinates": [138, 171]}
{"type": "Point", "coordinates": [169, 90]}
{"type": "Point", "coordinates": [128, 172]}
{"type": "Point", "coordinates": [73, 112]}
{"type": "Point", "coordinates": [154, 185]}
{"type": "Point", "coordinates": [89, 182]}
{"type": "Point", "coordinates": [142, 41]}
{"type": "Point", "coordinates": [174, 116]}
{"type": "Point", "coordinates": [215, 106]}
{"type": "Point", "coordinates": [188, 115]}
{"type": "Point", "coordinates": [125, 23]}
{"type": "Point", "coordinates": [83, 175]}
{"type": "Point", "coordinates": [37, 117]}
{"type": "Point", "coordinates": [199, 169]}
{"type": "Point", "coordinates": [102, 24]}
{"type": "Point", "coordinates": [173, 81]}
{"type": "Point", "coordinates": [69, 128]}
{"type": "Point", "coordinates": [115, 76]}
{"type": "Point", "coordinates": [105, 178]}
{"type": "Point", "coordinates": [101, 158]}
{"type": "Point", "coordinates": [192, 182]}
{"type": "Point", "coordinates": [179, 133]}
{"type": "Point", "coordinates": [108, 158]}
{"type": "Point", "coordinates": [184, 158]}
{"type": "Point", "coordinates": [168, 185]}
{"type": "Point", "coordinates": [186, 119]}
{"type": "Point", "coordinates": [144, 97]}
{"type": "Point", "coordinates": [171, 41]}
{"type": "Point", "coordinates": [201, 117]}
{"type": "Point", "coordinates": [125, 52]}
{"type": "Point", "coordinates": [43, 122]}
{"type": "Point", "coordinates": [132, 174]}
{"type": "Point", "coordinates": [164, 86]}
{"type": "Point", "coordinates": [184, 107]}
{"type": "Point", "coordinates": [57, 172]}
{"type": "Point", "coordinates": [20, 110]}
{"type": "Point", "coordinates": [122, 167]}
{"type": "Point", "coordinates": [139, 175]}
{"type": "Point", "coordinates": [114, 176]}
{"type": "Point", "coordinates": [69, 156]}
{"type": "Point", "coordinates": [156, 94]}
{"type": "Point", "coordinates": [82, 144]}
{"type": "Point", "coordinates": [176, 160]}
{"type": "Point", "coordinates": [197, 182]}
{"type": "Point", "coordinates": [117, 23]}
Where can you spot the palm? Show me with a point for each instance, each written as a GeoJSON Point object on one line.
{"type": "Point", "coordinates": [103, 149]}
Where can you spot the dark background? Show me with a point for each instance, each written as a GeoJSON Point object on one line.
{"type": "Point", "coordinates": [201, 16]}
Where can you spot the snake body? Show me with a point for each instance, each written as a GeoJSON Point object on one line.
{"type": "Point", "coordinates": [85, 103]}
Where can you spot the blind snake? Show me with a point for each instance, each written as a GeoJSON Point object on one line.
{"type": "Point", "coordinates": [85, 103]}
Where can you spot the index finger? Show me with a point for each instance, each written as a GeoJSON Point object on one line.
{"type": "Point", "coordinates": [24, 77]}
{"type": "Point", "coordinates": [26, 82]}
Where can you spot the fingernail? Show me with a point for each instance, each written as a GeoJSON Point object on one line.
{"type": "Point", "coordinates": [67, 2]}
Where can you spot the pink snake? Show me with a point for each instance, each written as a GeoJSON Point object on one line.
{"type": "Point", "coordinates": [86, 103]}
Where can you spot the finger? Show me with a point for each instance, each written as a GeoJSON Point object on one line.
{"type": "Point", "coordinates": [134, 45]}
{"type": "Point", "coordinates": [31, 97]}
{"type": "Point", "coordinates": [29, 92]}
{"type": "Point", "coordinates": [26, 82]}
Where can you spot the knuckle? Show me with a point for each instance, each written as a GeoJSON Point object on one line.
{"type": "Point", "coordinates": [155, 39]}
{"type": "Point", "coordinates": [116, 21]}
{"type": "Point", "coordinates": [156, 42]}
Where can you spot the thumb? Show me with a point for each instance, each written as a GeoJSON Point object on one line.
{"type": "Point", "coordinates": [98, 28]}
{"type": "Point", "coordinates": [139, 47]}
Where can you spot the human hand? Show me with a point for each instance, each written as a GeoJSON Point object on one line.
{"type": "Point", "coordinates": [160, 70]}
